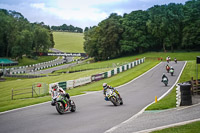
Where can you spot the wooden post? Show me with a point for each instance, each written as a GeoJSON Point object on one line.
{"type": "Point", "coordinates": [12, 94]}
{"type": "Point", "coordinates": [32, 91]}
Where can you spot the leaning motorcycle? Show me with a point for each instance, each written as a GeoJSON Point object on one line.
{"type": "Point", "coordinates": [62, 104]}
{"type": "Point", "coordinates": [165, 81]}
{"type": "Point", "coordinates": [167, 68]}
{"type": "Point", "coordinates": [113, 97]}
{"type": "Point", "coordinates": [171, 71]}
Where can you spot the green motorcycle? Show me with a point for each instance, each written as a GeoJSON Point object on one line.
{"type": "Point", "coordinates": [171, 71]}
{"type": "Point", "coordinates": [62, 104]}
{"type": "Point", "coordinates": [165, 81]}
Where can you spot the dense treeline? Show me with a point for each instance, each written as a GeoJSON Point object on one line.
{"type": "Point", "coordinates": [68, 28]}
{"type": "Point", "coordinates": [159, 28]}
{"type": "Point", "coordinates": [19, 37]}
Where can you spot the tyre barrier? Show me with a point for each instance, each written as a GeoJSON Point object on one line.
{"type": "Point", "coordinates": [186, 98]}
{"type": "Point", "coordinates": [36, 69]}
{"type": "Point", "coordinates": [178, 96]}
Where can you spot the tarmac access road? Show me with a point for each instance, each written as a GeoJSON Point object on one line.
{"type": "Point", "coordinates": [156, 120]}
{"type": "Point", "coordinates": [94, 114]}
{"type": "Point", "coordinates": [50, 70]}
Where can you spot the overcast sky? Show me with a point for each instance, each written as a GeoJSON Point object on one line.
{"type": "Point", "coordinates": [79, 13]}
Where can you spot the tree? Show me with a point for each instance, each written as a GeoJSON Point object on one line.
{"type": "Point", "coordinates": [41, 39]}
{"type": "Point", "coordinates": [102, 42]}
{"type": "Point", "coordinates": [110, 31]}
{"type": "Point", "coordinates": [173, 22]}
{"type": "Point", "coordinates": [86, 29]}
{"type": "Point", "coordinates": [156, 24]}
{"type": "Point", "coordinates": [23, 44]}
{"type": "Point", "coordinates": [135, 36]}
{"type": "Point", "coordinates": [191, 31]}
{"type": "Point", "coordinates": [90, 43]}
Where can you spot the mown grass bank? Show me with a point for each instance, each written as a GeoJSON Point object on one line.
{"type": "Point", "coordinates": [69, 42]}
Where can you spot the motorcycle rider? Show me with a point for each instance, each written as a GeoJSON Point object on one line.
{"type": "Point", "coordinates": [55, 87]}
{"type": "Point", "coordinates": [164, 76]}
{"type": "Point", "coordinates": [171, 68]}
{"type": "Point", "coordinates": [105, 87]}
{"type": "Point", "coordinates": [175, 60]}
{"type": "Point", "coordinates": [167, 68]}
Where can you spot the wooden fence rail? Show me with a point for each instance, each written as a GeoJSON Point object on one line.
{"type": "Point", "coordinates": [15, 94]}
{"type": "Point", "coordinates": [195, 86]}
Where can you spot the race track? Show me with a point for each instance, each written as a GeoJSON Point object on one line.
{"type": "Point", "coordinates": [93, 115]}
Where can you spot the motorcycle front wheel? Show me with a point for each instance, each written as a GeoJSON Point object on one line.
{"type": "Point", "coordinates": [60, 108]}
{"type": "Point", "coordinates": [114, 101]}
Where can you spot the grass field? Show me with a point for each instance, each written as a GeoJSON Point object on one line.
{"type": "Point", "coordinates": [69, 42]}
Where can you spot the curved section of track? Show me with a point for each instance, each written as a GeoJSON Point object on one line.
{"type": "Point", "coordinates": [93, 113]}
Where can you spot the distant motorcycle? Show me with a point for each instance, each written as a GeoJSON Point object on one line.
{"type": "Point", "coordinates": [165, 81]}
{"type": "Point", "coordinates": [167, 69]}
{"type": "Point", "coordinates": [62, 104]}
{"type": "Point", "coordinates": [175, 60]}
{"type": "Point", "coordinates": [171, 71]}
{"type": "Point", "coordinates": [113, 97]}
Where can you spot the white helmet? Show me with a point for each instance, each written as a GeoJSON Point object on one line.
{"type": "Point", "coordinates": [171, 67]}
{"type": "Point", "coordinates": [54, 86]}
{"type": "Point", "coordinates": [104, 84]}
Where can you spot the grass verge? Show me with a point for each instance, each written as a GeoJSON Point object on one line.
{"type": "Point", "coordinates": [188, 128]}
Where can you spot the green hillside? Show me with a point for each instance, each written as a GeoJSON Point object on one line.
{"type": "Point", "coordinates": [68, 42]}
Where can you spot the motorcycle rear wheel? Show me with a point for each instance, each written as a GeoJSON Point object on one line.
{"type": "Point", "coordinates": [73, 106]}
{"type": "Point", "coordinates": [121, 102]}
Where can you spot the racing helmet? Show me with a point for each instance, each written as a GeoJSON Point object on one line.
{"type": "Point", "coordinates": [163, 74]}
{"type": "Point", "coordinates": [54, 87]}
{"type": "Point", "coordinates": [104, 85]}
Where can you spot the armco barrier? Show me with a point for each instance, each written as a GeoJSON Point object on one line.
{"type": "Point", "coordinates": [74, 83]}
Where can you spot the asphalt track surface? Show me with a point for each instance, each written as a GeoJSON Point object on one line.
{"type": "Point", "coordinates": [93, 115]}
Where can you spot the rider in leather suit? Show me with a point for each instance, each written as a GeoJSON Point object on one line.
{"type": "Point", "coordinates": [105, 87]}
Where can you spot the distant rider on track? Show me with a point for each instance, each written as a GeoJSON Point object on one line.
{"type": "Point", "coordinates": [164, 76]}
